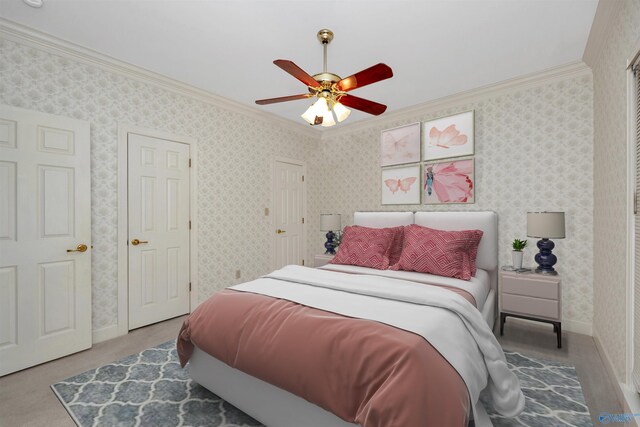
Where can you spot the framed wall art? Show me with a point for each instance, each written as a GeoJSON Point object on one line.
{"type": "Point", "coordinates": [447, 137]}
{"type": "Point", "coordinates": [400, 145]}
{"type": "Point", "coordinates": [449, 181]}
{"type": "Point", "coordinates": [401, 185]}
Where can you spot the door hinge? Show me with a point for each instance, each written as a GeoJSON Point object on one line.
{"type": "Point", "coordinates": [303, 220]}
{"type": "Point", "coordinates": [189, 286]}
{"type": "Point", "coordinates": [189, 224]}
{"type": "Point", "coordinates": [302, 262]}
{"type": "Point", "coordinates": [189, 162]}
{"type": "Point", "coordinates": [302, 178]}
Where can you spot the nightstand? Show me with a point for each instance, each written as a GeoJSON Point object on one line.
{"type": "Point", "coordinates": [533, 297]}
{"type": "Point", "coordinates": [320, 260]}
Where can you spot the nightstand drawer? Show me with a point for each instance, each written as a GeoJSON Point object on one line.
{"type": "Point", "coordinates": [532, 306]}
{"type": "Point", "coordinates": [529, 287]}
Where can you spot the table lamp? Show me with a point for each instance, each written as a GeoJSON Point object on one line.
{"type": "Point", "coordinates": [330, 223]}
{"type": "Point", "coordinates": [545, 225]}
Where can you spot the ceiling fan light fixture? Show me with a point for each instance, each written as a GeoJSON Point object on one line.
{"type": "Point", "coordinates": [329, 88]}
{"type": "Point", "coordinates": [341, 111]}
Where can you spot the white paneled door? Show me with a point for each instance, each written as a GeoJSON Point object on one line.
{"type": "Point", "coordinates": [45, 238]}
{"type": "Point", "coordinates": [158, 206]}
{"type": "Point", "coordinates": [289, 211]}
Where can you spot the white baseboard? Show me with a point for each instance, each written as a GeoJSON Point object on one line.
{"type": "Point", "coordinates": [574, 326]}
{"type": "Point", "coordinates": [577, 327]}
{"type": "Point", "coordinates": [106, 333]}
{"type": "Point", "coordinates": [628, 398]}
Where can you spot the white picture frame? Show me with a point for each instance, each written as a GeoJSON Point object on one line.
{"type": "Point", "coordinates": [449, 181]}
{"type": "Point", "coordinates": [400, 145]}
{"type": "Point", "coordinates": [449, 137]}
{"type": "Point", "coordinates": [401, 185]}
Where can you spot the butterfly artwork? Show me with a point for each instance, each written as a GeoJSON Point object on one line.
{"type": "Point", "coordinates": [400, 145]}
{"type": "Point", "coordinates": [401, 185]}
{"type": "Point", "coordinates": [398, 184]}
{"type": "Point", "coordinates": [447, 137]}
{"type": "Point", "coordinates": [450, 181]}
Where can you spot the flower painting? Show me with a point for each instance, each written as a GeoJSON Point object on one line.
{"type": "Point", "coordinates": [400, 145]}
{"type": "Point", "coordinates": [447, 137]}
{"type": "Point", "coordinates": [451, 181]}
{"type": "Point", "coordinates": [401, 185]}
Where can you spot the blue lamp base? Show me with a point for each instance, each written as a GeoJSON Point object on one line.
{"type": "Point", "coordinates": [330, 245]}
{"type": "Point", "coordinates": [545, 258]}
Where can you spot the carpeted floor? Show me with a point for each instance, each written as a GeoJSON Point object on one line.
{"type": "Point", "coordinates": [150, 389]}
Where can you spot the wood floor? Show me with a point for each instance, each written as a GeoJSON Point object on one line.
{"type": "Point", "coordinates": [27, 400]}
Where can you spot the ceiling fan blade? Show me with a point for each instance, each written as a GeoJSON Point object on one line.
{"type": "Point", "coordinates": [283, 99]}
{"type": "Point", "coordinates": [296, 72]}
{"type": "Point", "coordinates": [365, 77]}
{"type": "Point", "coordinates": [363, 105]}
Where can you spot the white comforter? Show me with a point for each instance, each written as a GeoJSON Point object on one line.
{"type": "Point", "coordinates": [449, 322]}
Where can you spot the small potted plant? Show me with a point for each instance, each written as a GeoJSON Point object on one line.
{"type": "Point", "coordinates": [516, 255]}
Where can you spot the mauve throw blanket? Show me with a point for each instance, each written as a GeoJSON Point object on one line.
{"type": "Point", "coordinates": [366, 348]}
{"type": "Point", "coordinates": [363, 371]}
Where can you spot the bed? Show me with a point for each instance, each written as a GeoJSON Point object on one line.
{"type": "Point", "coordinates": [274, 406]}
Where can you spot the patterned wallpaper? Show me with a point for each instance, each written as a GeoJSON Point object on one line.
{"type": "Point", "coordinates": [610, 180]}
{"type": "Point", "coordinates": [521, 136]}
{"type": "Point", "coordinates": [534, 151]}
{"type": "Point", "coordinates": [233, 162]}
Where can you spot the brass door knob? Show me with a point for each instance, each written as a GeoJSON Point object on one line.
{"type": "Point", "coordinates": [136, 242]}
{"type": "Point", "coordinates": [80, 248]}
{"type": "Point", "coordinates": [278, 231]}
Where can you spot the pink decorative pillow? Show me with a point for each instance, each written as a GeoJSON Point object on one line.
{"type": "Point", "coordinates": [395, 248]}
{"type": "Point", "coordinates": [444, 253]}
{"type": "Point", "coordinates": [366, 247]}
{"type": "Point", "coordinates": [474, 237]}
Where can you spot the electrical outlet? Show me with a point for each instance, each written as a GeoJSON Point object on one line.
{"type": "Point", "coordinates": [237, 274]}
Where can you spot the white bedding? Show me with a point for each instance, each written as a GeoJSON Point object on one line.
{"type": "Point", "coordinates": [448, 321]}
{"type": "Point", "coordinates": [479, 286]}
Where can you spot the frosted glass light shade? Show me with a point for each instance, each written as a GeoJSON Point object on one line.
{"type": "Point", "coordinates": [309, 116]}
{"type": "Point", "coordinates": [327, 119]}
{"type": "Point", "coordinates": [330, 222]}
{"type": "Point", "coordinates": [319, 108]}
{"type": "Point", "coordinates": [545, 225]}
{"type": "Point", "coordinates": [341, 111]}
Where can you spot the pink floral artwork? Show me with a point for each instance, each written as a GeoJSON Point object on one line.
{"type": "Point", "coordinates": [447, 137]}
{"type": "Point", "coordinates": [449, 182]}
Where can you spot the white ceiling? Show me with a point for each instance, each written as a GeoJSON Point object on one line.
{"type": "Point", "coordinates": [435, 47]}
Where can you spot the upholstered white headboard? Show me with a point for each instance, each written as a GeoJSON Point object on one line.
{"type": "Point", "coordinates": [382, 219]}
{"type": "Point", "coordinates": [486, 221]}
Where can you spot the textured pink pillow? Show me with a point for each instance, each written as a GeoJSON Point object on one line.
{"type": "Point", "coordinates": [364, 246]}
{"type": "Point", "coordinates": [444, 253]}
{"type": "Point", "coordinates": [395, 249]}
{"type": "Point", "coordinates": [474, 237]}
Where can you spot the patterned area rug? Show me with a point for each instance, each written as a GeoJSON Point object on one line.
{"type": "Point", "coordinates": [150, 389]}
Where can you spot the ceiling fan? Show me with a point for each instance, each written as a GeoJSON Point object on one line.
{"type": "Point", "coordinates": [331, 90]}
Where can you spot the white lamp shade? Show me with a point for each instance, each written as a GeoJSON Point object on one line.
{"type": "Point", "coordinates": [545, 225]}
{"type": "Point", "coordinates": [330, 222]}
{"type": "Point", "coordinates": [318, 108]}
{"type": "Point", "coordinates": [327, 119]}
{"type": "Point", "coordinates": [309, 116]}
{"type": "Point", "coordinates": [341, 111]}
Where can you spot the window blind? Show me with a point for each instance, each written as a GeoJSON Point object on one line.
{"type": "Point", "coordinates": [636, 273]}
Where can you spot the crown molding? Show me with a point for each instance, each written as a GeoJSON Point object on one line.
{"type": "Point", "coordinates": [22, 34]}
{"type": "Point", "coordinates": [572, 70]}
{"type": "Point", "coordinates": [605, 12]}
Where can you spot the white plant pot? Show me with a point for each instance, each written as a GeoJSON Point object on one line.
{"type": "Point", "coordinates": [516, 257]}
